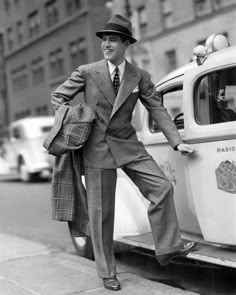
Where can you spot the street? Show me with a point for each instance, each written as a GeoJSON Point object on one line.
{"type": "Point", "coordinates": [25, 211]}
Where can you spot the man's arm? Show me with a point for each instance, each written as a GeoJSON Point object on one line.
{"type": "Point", "coordinates": [153, 103]}
{"type": "Point", "coordinates": [68, 90]}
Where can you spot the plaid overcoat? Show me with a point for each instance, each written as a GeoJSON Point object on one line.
{"type": "Point", "coordinates": [68, 193]}
{"type": "Point", "coordinates": [66, 139]}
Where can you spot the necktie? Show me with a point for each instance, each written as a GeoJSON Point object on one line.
{"type": "Point", "coordinates": [116, 80]}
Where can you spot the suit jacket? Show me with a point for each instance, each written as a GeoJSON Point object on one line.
{"type": "Point", "coordinates": [113, 141]}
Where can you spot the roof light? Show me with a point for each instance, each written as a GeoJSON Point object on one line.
{"type": "Point", "coordinates": [216, 42]}
{"type": "Point", "coordinates": [200, 54]}
{"type": "Point", "coordinates": [199, 50]}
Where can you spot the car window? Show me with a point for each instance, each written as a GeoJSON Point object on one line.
{"type": "Point", "coordinates": [215, 97]}
{"type": "Point", "coordinates": [173, 102]}
{"type": "Point", "coordinates": [46, 129]}
{"type": "Point", "coordinates": [17, 132]}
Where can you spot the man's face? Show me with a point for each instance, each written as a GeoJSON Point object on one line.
{"type": "Point", "coordinates": [114, 48]}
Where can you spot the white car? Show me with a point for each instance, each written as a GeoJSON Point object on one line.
{"type": "Point", "coordinates": [23, 151]}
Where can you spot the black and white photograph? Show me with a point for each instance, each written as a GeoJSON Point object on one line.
{"type": "Point", "coordinates": [117, 147]}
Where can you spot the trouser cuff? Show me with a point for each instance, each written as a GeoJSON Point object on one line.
{"type": "Point", "coordinates": [169, 250]}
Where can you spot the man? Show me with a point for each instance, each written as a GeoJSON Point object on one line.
{"type": "Point", "coordinates": [113, 143]}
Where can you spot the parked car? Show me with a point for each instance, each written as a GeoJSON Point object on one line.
{"type": "Point", "coordinates": [201, 99]}
{"type": "Point", "coordinates": [23, 151]}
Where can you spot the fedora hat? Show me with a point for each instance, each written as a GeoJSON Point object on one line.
{"type": "Point", "coordinates": [118, 24]}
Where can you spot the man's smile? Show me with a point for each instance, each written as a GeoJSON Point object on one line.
{"type": "Point", "coordinates": [108, 50]}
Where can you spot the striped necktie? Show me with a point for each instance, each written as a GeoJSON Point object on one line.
{"type": "Point", "coordinates": [116, 80]}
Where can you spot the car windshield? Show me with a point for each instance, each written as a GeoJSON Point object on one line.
{"type": "Point", "coordinates": [46, 129]}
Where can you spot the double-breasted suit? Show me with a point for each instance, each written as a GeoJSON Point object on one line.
{"type": "Point", "coordinates": [113, 143]}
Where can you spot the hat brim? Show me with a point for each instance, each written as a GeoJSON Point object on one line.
{"type": "Point", "coordinates": [100, 34]}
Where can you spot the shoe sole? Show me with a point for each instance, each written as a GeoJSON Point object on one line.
{"type": "Point", "coordinates": [178, 255]}
{"type": "Point", "coordinates": [112, 289]}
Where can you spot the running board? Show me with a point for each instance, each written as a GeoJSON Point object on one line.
{"type": "Point", "coordinates": [204, 252]}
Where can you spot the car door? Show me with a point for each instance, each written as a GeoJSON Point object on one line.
{"type": "Point", "coordinates": [210, 102]}
{"type": "Point", "coordinates": [172, 163]}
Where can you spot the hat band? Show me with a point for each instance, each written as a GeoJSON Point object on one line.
{"type": "Point", "coordinates": [116, 27]}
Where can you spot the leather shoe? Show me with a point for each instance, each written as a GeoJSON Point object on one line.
{"type": "Point", "coordinates": [111, 283]}
{"type": "Point", "coordinates": [165, 259]}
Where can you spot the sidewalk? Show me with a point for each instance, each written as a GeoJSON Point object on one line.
{"type": "Point", "coordinates": [29, 268]}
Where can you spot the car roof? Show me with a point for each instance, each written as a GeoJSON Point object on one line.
{"type": "Point", "coordinates": [40, 120]}
{"type": "Point", "coordinates": [211, 58]}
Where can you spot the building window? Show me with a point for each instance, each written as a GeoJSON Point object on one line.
{"type": "Point", "coordinates": [7, 5]}
{"type": "Point", "coordinates": [37, 67]}
{"type": "Point", "coordinates": [142, 20]}
{"type": "Point", "coordinates": [10, 38]}
{"type": "Point", "coordinates": [52, 13]}
{"type": "Point", "coordinates": [19, 78]}
{"type": "Point", "coordinates": [16, 3]}
{"type": "Point", "coordinates": [78, 52]}
{"type": "Point", "coordinates": [166, 13]}
{"type": "Point", "coordinates": [201, 7]}
{"type": "Point", "coordinates": [171, 60]}
{"type": "Point", "coordinates": [72, 6]}
{"type": "Point", "coordinates": [22, 114]}
{"type": "Point", "coordinates": [19, 31]}
{"type": "Point", "coordinates": [56, 63]}
{"type": "Point", "coordinates": [217, 3]}
{"type": "Point", "coordinates": [34, 24]}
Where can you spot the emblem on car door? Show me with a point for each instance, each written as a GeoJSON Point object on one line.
{"type": "Point", "coordinates": [226, 176]}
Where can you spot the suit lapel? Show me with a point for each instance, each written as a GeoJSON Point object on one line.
{"type": "Point", "coordinates": [101, 76]}
{"type": "Point", "coordinates": [128, 83]}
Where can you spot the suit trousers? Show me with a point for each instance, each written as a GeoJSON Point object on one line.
{"type": "Point", "coordinates": [155, 187]}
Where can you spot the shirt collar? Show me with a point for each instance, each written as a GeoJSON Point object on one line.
{"type": "Point", "coordinates": [112, 67]}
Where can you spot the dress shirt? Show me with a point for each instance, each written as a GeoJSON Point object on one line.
{"type": "Point", "coordinates": [112, 68]}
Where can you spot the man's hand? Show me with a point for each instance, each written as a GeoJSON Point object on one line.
{"type": "Point", "coordinates": [185, 149]}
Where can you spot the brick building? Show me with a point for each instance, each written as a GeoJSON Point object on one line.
{"type": "Point", "coordinates": [44, 40]}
